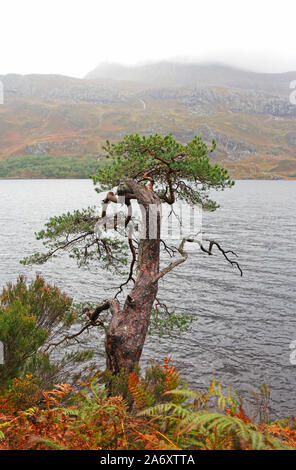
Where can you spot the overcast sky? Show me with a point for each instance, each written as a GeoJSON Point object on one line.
{"type": "Point", "coordinates": [71, 37]}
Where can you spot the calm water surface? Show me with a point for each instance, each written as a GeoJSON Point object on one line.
{"type": "Point", "coordinates": [243, 326]}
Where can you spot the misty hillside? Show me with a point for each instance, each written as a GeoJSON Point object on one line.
{"type": "Point", "coordinates": [248, 114]}
{"type": "Point", "coordinates": [170, 74]}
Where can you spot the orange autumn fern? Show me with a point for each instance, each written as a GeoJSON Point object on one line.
{"type": "Point", "coordinates": [286, 434]}
{"type": "Point", "coordinates": [160, 418]}
{"type": "Point", "coordinates": [172, 374]}
{"type": "Point", "coordinates": [137, 390]}
{"type": "Point", "coordinates": [159, 379]}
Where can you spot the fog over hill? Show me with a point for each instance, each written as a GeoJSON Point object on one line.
{"type": "Point", "coordinates": [249, 114]}
{"type": "Point", "coordinates": [189, 74]}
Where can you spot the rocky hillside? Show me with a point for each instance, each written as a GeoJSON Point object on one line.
{"type": "Point", "coordinates": [248, 114]}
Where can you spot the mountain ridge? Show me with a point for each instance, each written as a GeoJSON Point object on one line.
{"type": "Point", "coordinates": [167, 73]}
{"type": "Point", "coordinates": [64, 116]}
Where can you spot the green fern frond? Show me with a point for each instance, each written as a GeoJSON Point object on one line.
{"type": "Point", "coordinates": [186, 393]}
{"type": "Point", "coordinates": [50, 444]}
{"type": "Point", "coordinates": [163, 409]}
{"type": "Point", "coordinates": [72, 412]}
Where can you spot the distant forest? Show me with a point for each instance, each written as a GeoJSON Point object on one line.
{"type": "Point", "coordinates": [46, 166]}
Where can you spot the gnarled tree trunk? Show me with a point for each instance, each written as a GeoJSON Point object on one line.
{"type": "Point", "coordinates": [128, 328]}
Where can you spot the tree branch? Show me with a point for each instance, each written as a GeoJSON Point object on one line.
{"type": "Point", "coordinates": [213, 243]}
{"type": "Point", "coordinates": [111, 304]}
{"type": "Point", "coordinates": [131, 272]}
{"type": "Point", "coordinates": [67, 244]}
{"type": "Point", "coordinates": [170, 250]}
{"type": "Point", "coordinates": [172, 265]}
{"type": "Point", "coordinates": [69, 337]}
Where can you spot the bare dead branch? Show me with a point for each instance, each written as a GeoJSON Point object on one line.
{"type": "Point", "coordinates": [209, 251]}
{"type": "Point", "coordinates": [161, 306]}
{"type": "Point", "coordinates": [69, 337]}
{"type": "Point", "coordinates": [131, 272]}
{"type": "Point", "coordinates": [174, 264]}
{"type": "Point", "coordinates": [170, 250]}
{"type": "Point", "coordinates": [112, 305]}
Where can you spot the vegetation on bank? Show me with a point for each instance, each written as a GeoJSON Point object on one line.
{"type": "Point", "coordinates": [32, 317]}
{"type": "Point", "coordinates": [46, 166]}
{"type": "Point", "coordinates": [159, 412]}
{"type": "Point", "coordinates": [95, 410]}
